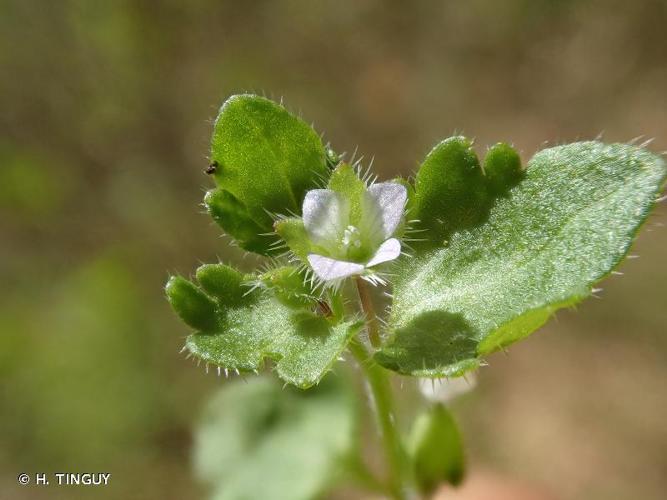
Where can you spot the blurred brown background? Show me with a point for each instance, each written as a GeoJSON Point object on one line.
{"type": "Point", "coordinates": [105, 116]}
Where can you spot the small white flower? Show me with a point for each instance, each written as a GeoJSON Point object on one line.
{"type": "Point", "coordinates": [341, 248]}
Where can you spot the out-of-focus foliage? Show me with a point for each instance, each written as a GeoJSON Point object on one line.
{"type": "Point", "coordinates": [436, 449]}
{"type": "Point", "coordinates": [104, 140]}
{"type": "Point", "coordinates": [256, 440]}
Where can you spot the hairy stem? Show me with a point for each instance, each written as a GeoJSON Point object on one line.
{"type": "Point", "coordinates": [380, 392]}
{"type": "Point", "coordinates": [372, 323]}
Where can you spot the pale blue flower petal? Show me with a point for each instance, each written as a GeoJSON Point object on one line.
{"type": "Point", "coordinates": [389, 250]}
{"type": "Point", "coordinates": [331, 269]}
{"type": "Point", "coordinates": [325, 216]}
{"type": "Point", "coordinates": [390, 197]}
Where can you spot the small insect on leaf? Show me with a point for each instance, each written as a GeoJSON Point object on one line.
{"type": "Point", "coordinates": [212, 167]}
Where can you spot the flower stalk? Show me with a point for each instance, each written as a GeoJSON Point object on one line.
{"type": "Point", "coordinates": [366, 302]}
{"type": "Point", "coordinates": [379, 388]}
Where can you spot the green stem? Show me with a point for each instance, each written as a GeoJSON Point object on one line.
{"type": "Point", "coordinates": [380, 391]}
{"type": "Point", "coordinates": [372, 323]}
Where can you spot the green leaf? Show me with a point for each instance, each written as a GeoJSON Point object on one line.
{"type": "Point", "coordinates": [436, 449]}
{"type": "Point", "coordinates": [289, 286]}
{"type": "Point", "coordinates": [238, 327]}
{"type": "Point", "coordinates": [449, 189]}
{"type": "Point", "coordinates": [294, 234]}
{"type": "Point", "coordinates": [192, 305]}
{"type": "Point", "coordinates": [256, 440]}
{"type": "Point", "coordinates": [543, 246]}
{"type": "Point", "coordinates": [265, 160]}
{"type": "Point", "coordinates": [502, 168]}
{"type": "Point", "coordinates": [453, 193]}
{"type": "Point", "coordinates": [234, 218]}
{"type": "Point", "coordinates": [222, 282]}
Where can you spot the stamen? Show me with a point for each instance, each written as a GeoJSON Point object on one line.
{"type": "Point", "coordinates": [351, 237]}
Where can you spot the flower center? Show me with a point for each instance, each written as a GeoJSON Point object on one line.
{"type": "Point", "coordinates": [351, 237]}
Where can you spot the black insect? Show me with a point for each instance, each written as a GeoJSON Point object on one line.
{"type": "Point", "coordinates": [213, 166]}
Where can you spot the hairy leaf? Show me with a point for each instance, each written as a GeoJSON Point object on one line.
{"type": "Point", "coordinates": [233, 216]}
{"type": "Point", "coordinates": [265, 160]}
{"type": "Point", "coordinates": [294, 234]}
{"type": "Point", "coordinates": [543, 245]}
{"type": "Point", "coordinates": [256, 440]}
{"type": "Point", "coordinates": [238, 327]}
{"type": "Point", "coordinates": [289, 286]}
{"type": "Point", "coordinates": [453, 192]}
{"type": "Point", "coordinates": [191, 304]}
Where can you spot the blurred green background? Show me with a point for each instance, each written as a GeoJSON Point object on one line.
{"type": "Point", "coordinates": [105, 116]}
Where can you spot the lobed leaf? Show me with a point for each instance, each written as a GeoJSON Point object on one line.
{"type": "Point", "coordinates": [453, 192]}
{"type": "Point", "coordinates": [238, 327]}
{"type": "Point", "coordinates": [191, 304]}
{"type": "Point", "coordinates": [541, 247]}
{"type": "Point", "coordinates": [265, 160]}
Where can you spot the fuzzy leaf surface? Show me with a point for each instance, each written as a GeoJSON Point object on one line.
{"type": "Point", "coordinates": [256, 440]}
{"type": "Point", "coordinates": [453, 192]}
{"type": "Point", "coordinates": [543, 246]}
{"type": "Point", "coordinates": [265, 160]}
{"type": "Point", "coordinates": [239, 330]}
